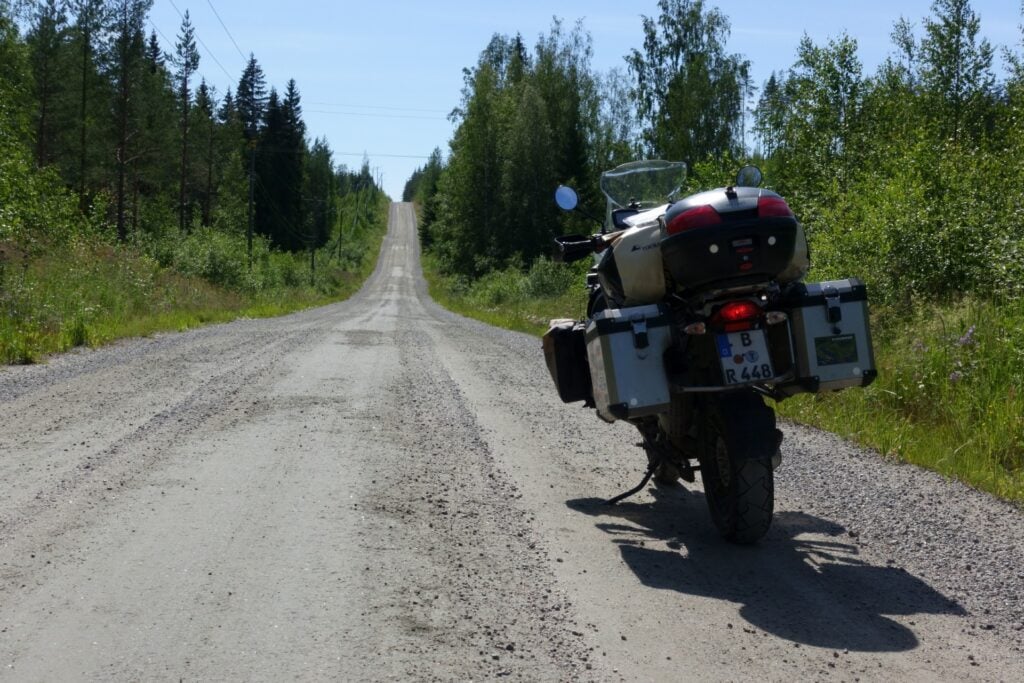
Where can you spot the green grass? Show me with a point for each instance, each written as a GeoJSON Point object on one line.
{"type": "Point", "coordinates": [949, 397]}
{"type": "Point", "coordinates": [88, 292]}
{"type": "Point", "coordinates": [512, 299]}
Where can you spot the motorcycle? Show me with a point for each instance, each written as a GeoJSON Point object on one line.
{"type": "Point", "coordinates": [697, 312]}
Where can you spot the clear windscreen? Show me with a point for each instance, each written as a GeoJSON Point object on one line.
{"type": "Point", "coordinates": [649, 182]}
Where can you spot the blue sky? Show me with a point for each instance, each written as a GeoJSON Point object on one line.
{"type": "Point", "coordinates": [379, 76]}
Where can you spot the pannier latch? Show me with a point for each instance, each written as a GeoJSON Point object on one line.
{"type": "Point", "coordinates": [834, 310]}
{"type": "Point", "coordinates": [640, 340]}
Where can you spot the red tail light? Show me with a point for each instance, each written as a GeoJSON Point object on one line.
{"type": "Point", "coordinates": [773, 206]}
{"type": "Point", "coordinates": [697, 217]}
{"type": "Point", "coordinates": [736, 316]}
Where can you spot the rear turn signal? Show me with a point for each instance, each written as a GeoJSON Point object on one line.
{"type": "Point", "coordinates": [697, 217]}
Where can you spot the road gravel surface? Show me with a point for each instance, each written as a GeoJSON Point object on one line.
{"type": "Point", "coordinates": [382, 490]}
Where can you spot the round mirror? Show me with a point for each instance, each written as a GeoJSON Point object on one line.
{"type": "Point", "coordinates": [566, 198]}
{"type": "Point", "coordinates": [749, 176]}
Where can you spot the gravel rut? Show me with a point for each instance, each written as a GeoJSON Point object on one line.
{"type": "Point", "coordinates": [382, 490]}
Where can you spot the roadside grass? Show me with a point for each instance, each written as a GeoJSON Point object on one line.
{"type": "Point", "coordinates": [88, 291]}
{"type": "Point", "coordinates": [511, 299]}
{"type": "Point", "coordinates": [950, 392]}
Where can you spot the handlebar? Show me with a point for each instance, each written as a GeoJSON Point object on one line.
{"type": "Point", "coordinates": [570, 248]}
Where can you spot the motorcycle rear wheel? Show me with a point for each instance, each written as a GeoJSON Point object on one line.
{"type": "Point", "coordinates": [740, 494]}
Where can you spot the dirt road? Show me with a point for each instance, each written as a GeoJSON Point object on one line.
{"type": "Point", "coordinates": [379, 489]}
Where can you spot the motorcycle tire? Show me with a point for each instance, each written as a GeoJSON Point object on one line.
{"type": "Point", "coordinates": [740, 493]}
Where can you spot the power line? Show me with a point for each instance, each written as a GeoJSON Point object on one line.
{"type": "Point", "coordinates": [208, 51]}
{"type": "Point", "coordinates": [374, 156]}
{"type": "Point", "coordinates": [157, 29]}
{"type": "Point", "coordinates": [375, 116]}
{"type": "Point", "coordinates": [374, 106]}
{"type": "Point", "coordinates": [224, 26]}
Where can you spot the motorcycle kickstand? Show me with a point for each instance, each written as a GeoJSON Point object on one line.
{"type": "Point", "coordinates": [651, 467]}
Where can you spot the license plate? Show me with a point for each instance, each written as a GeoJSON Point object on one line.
{"type": "Point", "coordinates": [744, 357]}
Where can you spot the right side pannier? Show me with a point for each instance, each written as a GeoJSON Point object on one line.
{"type": "Point", "coordinates": [831, 336]}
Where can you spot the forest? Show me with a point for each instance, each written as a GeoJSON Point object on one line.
{"type": "Point", "coordinates": [910, 178]}
{"type": "Point", "coordinates": [911, 175]}
{"type": "Point", "coordinates": [122, 171]}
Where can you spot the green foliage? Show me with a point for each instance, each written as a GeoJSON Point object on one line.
{"type": "Point", "coordinates": [511, 298]}
{"type": "Point", "coordinates": [893, 175]}
{"type": "Point", "coordinates": [85, 141]}
{"type": "Point", "coordinates": [690, 93]}
{"type": "Point", "coordinates": [88, 289]}
{"type": "Point", "coordinates": [526, 122]}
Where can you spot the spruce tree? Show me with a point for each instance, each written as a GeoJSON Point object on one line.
{"type": "Point", "coordinates": [46, 41]}
{"type": "Point", "coordinates": [187, 61]}
{"type": "Point", "coordinates": [91, 18]}
{"type": "Point", "coordinates": [251, 98]}
{"type": "Point", "coordinates": [128, 58]}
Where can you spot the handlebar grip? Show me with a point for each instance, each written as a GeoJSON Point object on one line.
{"type": "Point", "coordinates": [570, 248]}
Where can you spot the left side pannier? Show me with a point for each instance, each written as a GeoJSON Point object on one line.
{"type": "Point", "coordinates": [565, 350]}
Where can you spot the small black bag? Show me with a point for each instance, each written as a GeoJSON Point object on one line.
{"type": "Point", "coordinates": [565, 351]}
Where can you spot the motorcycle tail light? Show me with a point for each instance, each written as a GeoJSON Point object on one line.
{"type": "Point", "coordinates": [697, 217]}
{"type": "Point", "coordinates": [773, 206]}
{"type": "Point", "coordinates": [736, 316]}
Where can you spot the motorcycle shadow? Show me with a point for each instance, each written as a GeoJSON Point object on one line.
{"type": "Point", "coordinates": [801, 582]}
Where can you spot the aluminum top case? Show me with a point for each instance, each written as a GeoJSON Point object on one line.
{"type": "Point", "coordinates": [625, 349]}
{"type": "Point", "coordinates": [831, 335]}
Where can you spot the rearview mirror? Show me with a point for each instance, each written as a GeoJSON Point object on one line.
{"type": "Point", "coordinates": [566, 198]}
{"type": "Point", "coordinates": [749, 176]}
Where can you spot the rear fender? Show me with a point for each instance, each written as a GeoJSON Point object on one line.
{"type": "Point", "coordinates": [748, 425]}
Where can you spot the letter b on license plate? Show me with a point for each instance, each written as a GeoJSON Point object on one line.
{"type": "Point", "coordinates": [744, 357]}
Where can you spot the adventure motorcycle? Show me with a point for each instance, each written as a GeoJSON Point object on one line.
{"type": "Point", "coordinates": [696, 313]}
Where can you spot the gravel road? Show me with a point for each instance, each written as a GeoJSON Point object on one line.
{"type": "Point", "coordinates": [382, 490]}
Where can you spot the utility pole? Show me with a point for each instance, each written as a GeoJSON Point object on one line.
{"type": "Point", "coordinates": [252, 179]}
{"type": "Point", "coordinates": [341, 224]}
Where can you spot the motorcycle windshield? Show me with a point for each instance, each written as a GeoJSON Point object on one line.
{"type": "Point", "coordinates": [649, 183]}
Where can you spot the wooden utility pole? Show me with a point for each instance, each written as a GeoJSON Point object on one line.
{"type": "Point", "coordinates": [252, 179]}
